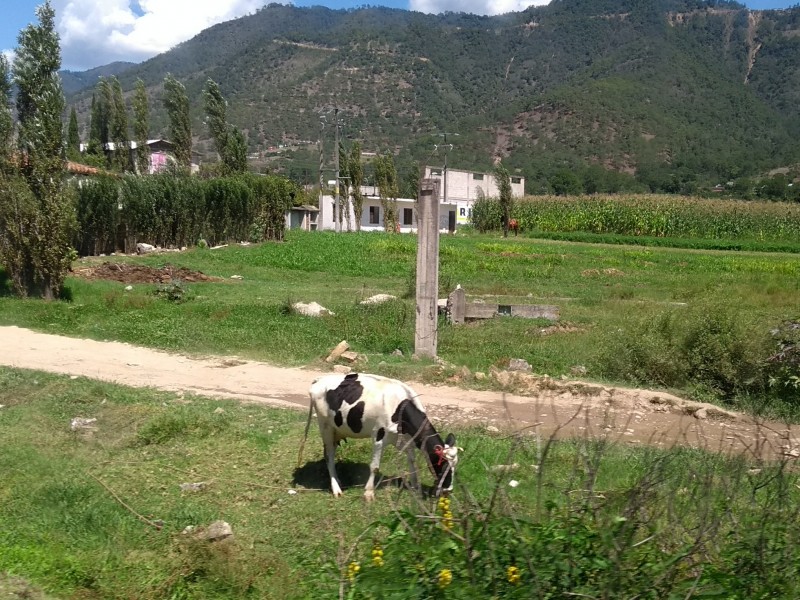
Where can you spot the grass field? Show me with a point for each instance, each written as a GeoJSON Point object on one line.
{"type": "Point", "coordinates": [99, 514]}
{"type": "Point", "coordinates": [611, 298]}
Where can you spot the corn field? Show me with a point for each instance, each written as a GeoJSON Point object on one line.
{"type": "Point", "coordinates": [654, 216]}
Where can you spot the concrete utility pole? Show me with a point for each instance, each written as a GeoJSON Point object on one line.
{"type": "Point", "coordinates": [321, 214]}
{"type": "Point", "coordinates": [425, 332]}
{"type": "Point", "coordinates": [336, 209]}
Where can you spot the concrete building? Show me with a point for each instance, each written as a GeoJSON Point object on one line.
{"type": "Point", "coordinates": [464, 187]}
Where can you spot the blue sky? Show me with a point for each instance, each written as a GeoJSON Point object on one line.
{"type": "Point", "coordinates": [97, 32]}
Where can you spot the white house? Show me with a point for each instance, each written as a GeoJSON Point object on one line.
{"type": "Point", "coordinates": [373, 214]}
{"type": "Point", "coordinates": [464, 187]}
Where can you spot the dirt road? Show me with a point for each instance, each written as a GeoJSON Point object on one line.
{"type": "Point", "coordinates": [547, 406]}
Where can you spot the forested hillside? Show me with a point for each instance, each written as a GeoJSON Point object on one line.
{"type": "Point", "coordinates": [666, 95]}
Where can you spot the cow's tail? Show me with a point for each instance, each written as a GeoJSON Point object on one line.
{"type": "Point", "coordinates": [305, 434]}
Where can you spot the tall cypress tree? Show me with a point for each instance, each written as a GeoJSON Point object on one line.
{"type": "Point", "coordinates": [177, 104]}
{"type": "Point", "coordinates": [73, 136]}
{"type": "Point", "coordinates": [6, 118]}
{"type": "Point", "coordinates": [36, 223]}
{"type": "Point", "coordinates": [504, 188]}
{"type": "Point", "coordinates": [119, 128]}
{"type": "Point", "coordinates": [356, 170]}
{"type": "Point", "coordinates": [141, 126]}
{"type": "Point", "coordinates": [216, 117]}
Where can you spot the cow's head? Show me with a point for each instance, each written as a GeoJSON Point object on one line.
{"type": "Point", "coordinates": [444, 461]}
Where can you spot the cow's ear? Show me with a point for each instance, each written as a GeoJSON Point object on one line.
{"type": "Point", "coordinates": [450, 441]}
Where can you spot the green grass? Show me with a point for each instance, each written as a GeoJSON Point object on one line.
{"type": "Point", "coordinates": [66, 530]}
{"type": "Point", "coordinates": [600, 290]}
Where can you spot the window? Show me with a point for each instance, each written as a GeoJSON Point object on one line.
{"type": "Point", "coordinates": [374, 215]}
{"type": "Point", "coordinates": [477, 176]}
{"type": "Point", "coordinates": [516, 180]}
{"type": "Point", "coordinates": [436, 172]}
{"type": "Point", "coordinates": [408, 216]}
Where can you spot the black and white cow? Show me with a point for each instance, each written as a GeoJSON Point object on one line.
{"type": "Point", "coordinates": [370, 406]}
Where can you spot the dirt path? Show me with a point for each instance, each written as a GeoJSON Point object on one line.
{"type": "Point", "coordinates": [567, 408]}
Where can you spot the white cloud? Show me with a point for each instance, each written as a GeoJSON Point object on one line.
{"type": "Point", "coordinates": [97, 32]}
{"type": "Point", "coordinates": [478, 7]}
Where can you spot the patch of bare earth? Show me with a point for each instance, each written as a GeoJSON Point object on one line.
{"type": "Point", "coordinates": [133, 273]}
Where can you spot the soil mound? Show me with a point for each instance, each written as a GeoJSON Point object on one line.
{"type": "Point", "coordinates": [132, 273]}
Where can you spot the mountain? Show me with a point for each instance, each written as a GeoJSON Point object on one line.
{"type": "Point", "coordinates": [663, 92]}
{"type": "Point", "coordinates": [76, 81]}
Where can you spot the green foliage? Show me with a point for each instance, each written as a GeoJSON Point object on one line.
{"type": "Point", "coordinates": [783, 367]}
{"type": "Point", "coordinates": [356, 174]}
{"type": "Point", "coordinates": [73, 136]}
{"type": "Point", "coordinates": [175, 211]}
{"type": "Point", "coordinates": [708, 348]}
{"type": "Point", "coordinates": [386, 180]}
{"type": "Point", "coordinates": [36, 224]}
{"type": "Point", "coordinates": [176, 103]}
{"type": "Point", "coordinates": [119, 129]}
{"type": "Point", "coordinates": [216, 116]}
{"type": "Point", "coordinates": [6, 117]}
{"type": "Point", "coordinates": [141, 127]}
{"type": "Point", "coordinates": [487, 215]}
{"type": "Point", "coordinates": [505, 199]}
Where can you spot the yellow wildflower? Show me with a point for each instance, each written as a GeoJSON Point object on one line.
{"type": "Point", "coordinates": [377, 556]}
{"type": "Point", "coordinates": [352, 570]}
{"type": "Point", "coordinates": [445, 578]}
{"type": "Point", "coordinates": [513, 575]}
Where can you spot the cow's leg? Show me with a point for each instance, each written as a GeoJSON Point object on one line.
{"type": "Point", "coordinates": [377, 451]}
{"type": "Point", "coordinates": [329, 442]}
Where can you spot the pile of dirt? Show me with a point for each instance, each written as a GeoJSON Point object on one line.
{"type": "Point", "coordinates": [132, 273]}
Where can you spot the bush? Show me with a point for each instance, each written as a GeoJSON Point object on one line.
{"type": "Point", "coordinates": [708, 348]}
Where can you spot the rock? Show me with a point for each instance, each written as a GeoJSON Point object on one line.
{"type": "Point", "coordinates": [128, 288]}
{"type": "Point", "coordinates": [350, 356]}
{"type": "Point", "coordinates": [142, 248]}
{"type": "Point", "coordinates": [312, 309]}
{"type": "Point", "coordinates": [492, 429]}
{"type": "Point", "coordinates": [578, 370]}
{"type": "Point", "coordinates": [397, 352]}
{"type": "Point", "coordinates": [344, 369]}
{"type": "Point", "coordinates": [502, 377]}
{"type": "Point", "coordinates": [504, 468]}
{"type": "Point", "coordinates": [378, 299]}
{"type": "Point", "coordinates": [217, 531]}
{"type": "Point", "coordinates": [479, 375]}
{"type": "Point", "coordinates": [82, 423]}
{"type": "Point", "coordinates": [701, 413]}
{"type": "Point", "coordinates": [340, 349]}
{"type": "Point", "coordinates": [194, 487]}
{"type": "Point", "coordinates": [236, 277]}
{"type": "Point", "coordinates": [292, 492]}
{"type": "Point", "coordinates": [519, 364]}
{"type": "Point", "coordinates": [513, 483]}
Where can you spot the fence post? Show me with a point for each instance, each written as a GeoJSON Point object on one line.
{"type": "Point", "coordinates": [457, 305]}
{"type": "Point", "coordinates": [425, 333]}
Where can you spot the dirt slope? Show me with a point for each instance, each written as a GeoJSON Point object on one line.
{"type": "Point", "coordinates": [547, 406]}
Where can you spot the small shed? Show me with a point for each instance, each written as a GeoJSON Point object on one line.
{"type": "Point", "coordinates": [302, 217]}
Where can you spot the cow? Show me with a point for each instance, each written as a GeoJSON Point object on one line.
{"type": "Point", "coordinates": [513, 225]}
{"type": "Point", "coordinates": [359, 405]}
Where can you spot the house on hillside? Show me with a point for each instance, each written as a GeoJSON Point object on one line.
{"type": "Point", "coordinates": [463, 188]}
{"type": "Point", "coordinates": [162, 154]}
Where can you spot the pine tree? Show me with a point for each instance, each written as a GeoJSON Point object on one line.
{"type": "Point", "coordinates": [37, 216]}
{"type": "Point", "coordinates": [95, 145]}
{"type": "Point", "coordinates": [356, 171]}
{"type": "Point", "coordinates": [386, 178]}
{"type": "Point", "coordinates": [141, 126]}
{"type": "Point", "coordinates": [119, 128]}
{"type": "Point", "coordinates": [6, 118]}
{"type": "Point", "coordinates": [73, 136]}
{"type": "Point", "coordinates": [177, 104]}
{"type": "Point", "coordinates": [236, 152]}
{"type": "Point", "coordinates": [504, 188]}
{"type": "Point", "coordinates": [216, 117]}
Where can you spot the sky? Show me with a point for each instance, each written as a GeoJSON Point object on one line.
{"type": "Point", "coordinates": [97, 32]}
